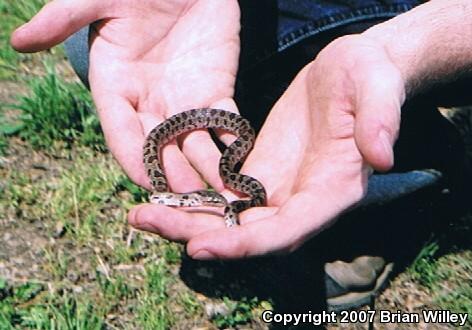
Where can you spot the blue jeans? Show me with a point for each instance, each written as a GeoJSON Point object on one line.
{"type": "Point", "coordinates": [277, 39]}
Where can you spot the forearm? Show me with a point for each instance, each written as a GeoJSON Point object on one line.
{"type": "Point", "coordinates": [429, 44]}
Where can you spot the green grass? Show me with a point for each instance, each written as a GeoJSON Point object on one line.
{"type": "Point", "coordinates": [153, 312]}
{"type": "Point", "coordinates": [70, 312]}
{"type": "Point", "coordinates": [424, 267]}
{"type": "Point", "coordinates": [13, 14]}
{"type": "Point", "coordinates": [190, 304]}
{"type": "Point", "coordinates": [82, 193]}
{"type": "Point", "coordinates": [55, 111]}
{"type": "Point", "coordinates": [115, 289]}
{"type": "Point", "coordinates": [61, 312]}
{"type": "Point", "coordinates": [82, 197]}
{"type": "Point", "coordinates": [453, 290]}
{"type": "Point", "coordinates": [448, 278]}
{"type": "Point", "coordinates": [242, 312]}
{"type": "Point", "coordinates": [21, 11]}
{"type": "Point", "coordinates": [7, 128]}
{"type": "Point", "coordinates": [88, 196]}
{"type": "Point", "coordinates": [3, 144]}
{"type": "Point", "coordinates": [11, 297]}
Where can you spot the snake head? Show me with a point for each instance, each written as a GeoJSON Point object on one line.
{"type": "Point", "coordinates": [209, 198]}
{"type": "Point", "coordinates": [163, 198]}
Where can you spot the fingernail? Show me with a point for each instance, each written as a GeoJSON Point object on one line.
{"type": "Point", "coordinates": [203, 255]}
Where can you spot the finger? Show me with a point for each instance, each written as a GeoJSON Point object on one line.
{"type": "Point", "coordinates": [266, 236]}
{"type": "Point", "coordinates": [227, 104]}
{"type": "Point", "coordinates": [184, 223]}
{"type": "Point", "coordinates": [180, 175]}
{"type": "Point", "coordinates": [261, 236]}
{"type": "Point", "coordinates": [296, 222]}
{"type": "Point", "coordinates": [171, 223]}
{"type": "Point", "coordinates": [201, 151]}
{"type": "Point", "coordinates": [203, 154]}
{"type": "Point", "coordinates": [56, 21]}
{"type": "Point", "coordinates": [125, 138]}
{"type": "Point", "coordinates": [378, 106]}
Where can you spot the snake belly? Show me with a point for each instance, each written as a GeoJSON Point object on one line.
{"type": "Point", "coordinates": [232, 155]}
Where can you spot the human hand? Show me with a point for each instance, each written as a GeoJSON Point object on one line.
{"type": "Point", "coordinates": [148, 61]}
{"type": "Point", "coordinates": [337, 121]}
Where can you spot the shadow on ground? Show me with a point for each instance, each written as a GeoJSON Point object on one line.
{"type": "Point", "coordinates": [397, 230]}
{"type": "Point", "coordinates": [295, 283]}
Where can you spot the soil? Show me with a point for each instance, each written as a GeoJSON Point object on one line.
{"type": "Point", "coordinates": [24, 238]}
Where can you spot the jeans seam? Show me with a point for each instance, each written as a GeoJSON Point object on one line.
{"type": "Point", "coordinates": [335, 20]}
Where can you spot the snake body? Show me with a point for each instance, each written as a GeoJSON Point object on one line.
{"type": "Point", "coordinates": [232, 155]}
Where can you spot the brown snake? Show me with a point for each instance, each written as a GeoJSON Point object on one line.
{"type": "Point", "coordinates": [232, 155]}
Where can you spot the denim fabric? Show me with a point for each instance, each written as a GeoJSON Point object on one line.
{"type": "Point", "coordinates": [283, 26]}
{"type": "Point", "coordinates": [77, 50]}
{"type": "Point", "coordinates": [299, 19]}
{"type": "Point", "coordinates": [271, 26]}
{"type": "Point", "coordinates": [383, 188]}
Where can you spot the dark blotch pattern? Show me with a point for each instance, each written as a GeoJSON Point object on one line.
{"type": "Point", "coordinates": [234, 154]}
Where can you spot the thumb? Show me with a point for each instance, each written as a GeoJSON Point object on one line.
{"type": "Point", "coordinates": [55, 22]}
{"type": "Point", "coordinates": [380, 95]}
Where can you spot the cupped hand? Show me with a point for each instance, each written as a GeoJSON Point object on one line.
{"type": "Point", "coordinates": [336, 122]}
{"type": "Point", "coordinates": [149, 60]}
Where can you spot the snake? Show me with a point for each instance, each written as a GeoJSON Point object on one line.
{"type": "Point", "coordinates": [231, 157]}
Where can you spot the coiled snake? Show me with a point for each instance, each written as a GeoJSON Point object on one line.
{"type": "Point", "coordinates": [232, 155]}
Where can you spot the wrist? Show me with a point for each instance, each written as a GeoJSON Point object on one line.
{"type": "Point", "coordinates": [428, 44]}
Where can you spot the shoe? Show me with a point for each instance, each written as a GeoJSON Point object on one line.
{"type": "Point", "coordinates": [354, 284]}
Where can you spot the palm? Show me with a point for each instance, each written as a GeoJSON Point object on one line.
{"type": "Point", "coordinates": [311, 171]}
{"type": "Point", "coordinates": [162, 61]}
{"type": "Point", "coordinates": [157, 61]}
{"type": "Point", "coordinates": [294, 156]}
{"type": "Point", "coordinates": [314, 155]}
{"type": "Point", "coordinates": [148, 60]}
{"type": "Point", "coordinates": [309, 175]}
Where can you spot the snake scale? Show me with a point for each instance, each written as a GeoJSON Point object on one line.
{"type": "Point", "coordinates": [232, 155]}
